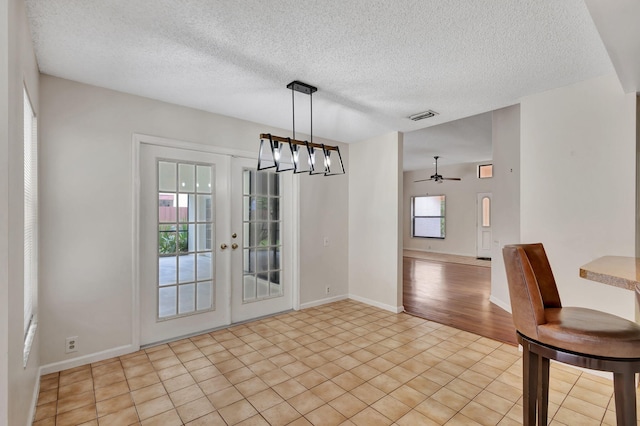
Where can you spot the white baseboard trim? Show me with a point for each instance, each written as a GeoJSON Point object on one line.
{"type": "Point", "coordinates": [322, 301]}
{"type": "Point", "coordinates": [438, 252]}
{"type": "Point", "coordinates": [34, 402]}
{"type": "Point", "coordinates": [394, 309]}
{"type": "Point", "coordinates": [87, 359]}
{"type": "Point", "coordinates": [500, 303]}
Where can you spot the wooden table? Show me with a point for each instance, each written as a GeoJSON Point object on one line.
{"type": "Point", "coordinates": [618, 271]}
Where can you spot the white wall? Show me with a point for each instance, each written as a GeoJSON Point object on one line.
{"type": "Point", "coordinates": [506, 196]}
{"type": "Point", "coordinates": [324, 212]}
{"type": "Point", "coordinates": [375, 221]}
{"type": "Point", "coordinates": [460, 209]}
{"type": "Point", "coordinates": [638, 176]}
{"type": "Point", "coordinates": [17, 66]}
{"type": "Point", "coordinates": [578, 188]}
{"type": "Point", "coordinates": [4, 211]}
{"type": "Point", "coordinates": [86, 257]}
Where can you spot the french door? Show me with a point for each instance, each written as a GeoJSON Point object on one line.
{"type": "Point", "coordinates": [213, 248]}
{"type": "Point", "coordinates": [261, 262]}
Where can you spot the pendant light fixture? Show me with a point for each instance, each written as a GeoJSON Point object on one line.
{"type": "Point", "coordinates": [300, 156]}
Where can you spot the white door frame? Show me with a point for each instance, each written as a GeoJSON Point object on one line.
{"type": "Point", "coordinates": [137, 140]}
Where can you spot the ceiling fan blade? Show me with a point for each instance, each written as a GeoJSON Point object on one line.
{"type": "Point", "coordinates": [451, 178]}
{"type": "Point", "coordinates": [422, 180]}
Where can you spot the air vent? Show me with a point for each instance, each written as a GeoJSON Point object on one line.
{"type": "Point", "coordinates": [423, 115]}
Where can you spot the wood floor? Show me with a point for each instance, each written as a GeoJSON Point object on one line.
{"type": "Point", "coordinates": [456, 295]}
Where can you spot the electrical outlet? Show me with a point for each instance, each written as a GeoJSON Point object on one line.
{"type": "Point", "coordinates": [71, 344]}
{"type": "Point", "coordinates": [328, 289]}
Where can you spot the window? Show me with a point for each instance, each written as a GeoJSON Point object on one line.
{"type": "Point", "coordinates": [485, 171]}
{"type": "Point", "coordinates": [427, 216]}
{"type": "Point", "coordinates": [30, 225]}
{"type": "Point", "coordinates": [486, 212]}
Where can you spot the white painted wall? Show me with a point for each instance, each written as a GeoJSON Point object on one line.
{"type": "Point", "coordinates": [578, 184]}
{"type": "Point", "coordinates": [18, 385]}
{"type": "Point", "coordinates": [506, 196]}
{"type": "Point", "coordinates": [324, 212]}
{"type": "Point", "coordinates": [375, 221]}
{"type": "Point", "coordinates": [86, 257]}
{"type": "Point", "coordinates": [460, 209]}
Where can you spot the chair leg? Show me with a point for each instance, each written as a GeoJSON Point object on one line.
{"type": "Point", "coordinates": [543, 390]}
{"type": "Point", "coordinates": [529, 384]}
{"type": "Point", "coordinates": [624, 388]}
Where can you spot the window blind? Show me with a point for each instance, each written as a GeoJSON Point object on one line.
{"type": "Point", "coordinates": [30, 212]}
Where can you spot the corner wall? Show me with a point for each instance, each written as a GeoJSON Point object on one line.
{"type": "Point", "coordinates": [18, 385]}
{"type": "Point", "coordinates": [637, 176]}
{"type": "Point", "coordinates": [321, 265]}
{"type": "Point", "coordinates": [578, 184]}
{"type": "Point", "coordinates": [375, 221]}
{"type": "Point", "coordinates": [506, 196]}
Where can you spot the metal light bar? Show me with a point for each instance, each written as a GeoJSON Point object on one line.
{"type": "Point", "coordinates": [297, 142]}
{"type": "Point", "coordinates": [301, 87]}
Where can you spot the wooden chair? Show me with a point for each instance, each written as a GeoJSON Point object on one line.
{"type": "Point", "coordinates": [578, 336]}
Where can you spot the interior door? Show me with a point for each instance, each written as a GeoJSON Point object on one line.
{"type": "Point", "coordinates": [484, 225]}
{"type": "Point", "coordinates": [261, 241]}
{"type": "Point", "coordinates": [184, 220]}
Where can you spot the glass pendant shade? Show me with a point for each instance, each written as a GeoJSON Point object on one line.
{"type": "Point", "coordinates": [266, 155]}
{"type": "Point", "coordinates": [283, 156]}
{"type": "Point", "coordinates": [318, 161]}
{"type": "Point", "coordinates": [334, 162]}
{"type": "Point", "coordinates": [301, 158]}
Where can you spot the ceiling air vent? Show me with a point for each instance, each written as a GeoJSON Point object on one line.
{"type": "Point", "coordinates": [423, 115]}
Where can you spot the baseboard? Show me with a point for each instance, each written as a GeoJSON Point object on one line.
{"type": "Point", "coordinates": [87, 359]}
{"type": "Point", "coordinates": [500, 303]}
{"type": "Point", "coordinates": [34, 401]}
{"type": "Point", "coordinates": [394, 309]}
{"type": "Point", "coordinates": [322, 301]}
{"type": "Point", "coordinates": [439, 252]}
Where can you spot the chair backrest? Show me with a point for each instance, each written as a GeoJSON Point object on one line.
{"type": "Point", "coordinates": [532, 287]}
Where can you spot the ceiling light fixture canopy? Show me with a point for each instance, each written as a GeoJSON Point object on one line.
{"type": "Point", "coordinates": [300, 156]}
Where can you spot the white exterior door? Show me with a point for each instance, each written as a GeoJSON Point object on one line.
{"type": "Point", "coordinates": [261, 243]}
{"type": "Point", "coordinates": [184, 218]}
{"type": "Point", "coordinates": [484, 226]}
{"type": "Point", "coordinates": [214, 248]}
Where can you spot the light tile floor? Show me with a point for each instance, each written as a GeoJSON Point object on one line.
{"type": "Point", "coordinates": [343, 363]}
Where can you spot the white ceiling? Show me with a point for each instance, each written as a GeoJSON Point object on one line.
{"type": "Point", "coordinates": [374, 62]}
{"type": "Point", "coordinates": [467, 140]}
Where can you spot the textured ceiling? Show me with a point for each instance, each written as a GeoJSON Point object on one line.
{"type": "Point", "coordinates": [374, 62]}
{"type": "Point", "coordinates": [467, 140]}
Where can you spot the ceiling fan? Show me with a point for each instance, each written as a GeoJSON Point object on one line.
{"type": "Point", "coordinates": [436, 177]}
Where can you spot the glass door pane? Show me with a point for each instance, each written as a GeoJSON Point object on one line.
{"type": "Point", "coordinates": [262, 241]}
{"type": "Point", "coordinates": [185, 233]}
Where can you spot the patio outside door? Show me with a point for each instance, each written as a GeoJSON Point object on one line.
{"type": "Point", "coordinates": [184, 217]}
{"type": "Point", "coordinates": [213, 248]}
{"type": "Point", "coordinates": [261, 244]}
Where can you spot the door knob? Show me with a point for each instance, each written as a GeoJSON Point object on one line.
{"type": "Point", "coordinates": [223, 246]}
{"type": "Point", "coordinates": [234, 246]}
{"type": "Point", "coordinates": [234, 235]}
